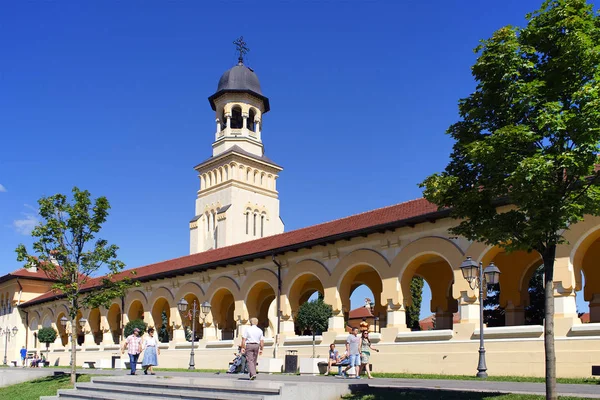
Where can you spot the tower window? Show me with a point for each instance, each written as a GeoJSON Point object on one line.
{"type": "Point", "coordinates": [236, 118]}
{"type": "Point", "coordinates": [251, 116]}
{"type": "Point", "coordinates": [247, 222]}
{"type": "Point", "coordinates": [254, 224]}
{"type": "Point", "coordinates": [262, 226]}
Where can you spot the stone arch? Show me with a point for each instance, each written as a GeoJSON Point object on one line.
{"type": "Point", "coordinates": [47, 319]}
{"type": "Point", "coordinates": [62, 332]}
{"type": "Point", "coordinates": [94, 323]}
{"type": "Point", "coordinates": [225, 282]}
{"type": "Point", "coordinates": [189, 288]}
{"type": "Point", "coordinates": [161, 305]}
{"type": "Point", "coordinates": [135, 310]}
{"type": "Point", "coordinates": [443, 257]}
{"type": "Point", "coordinates": [32, 331]}
{"type": "Point", "coordinates": [161, 292]}
{"type": "Point", "coordinates": [361, 256]}
{"type": "Point", "coordinates": [259, 275]}
{"type": "Point", "coordinates": [114, 318]}
{"type": "Point", "coordinates": [361, 267]}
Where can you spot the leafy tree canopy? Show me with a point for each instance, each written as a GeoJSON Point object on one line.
{"type": "Point", "coordinates": [136, 323]}
{"type": "Point", "coordinates": [47, 335]}
{"type": "Point", "coordinates": [314, 316]}
{"type": "Point", "coordinates": [65, 250]}
{"type": "Point", "coordinates": [529, 133]}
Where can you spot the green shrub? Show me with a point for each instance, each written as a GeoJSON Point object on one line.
{"type": "Point", "coordinates": [136, 323]}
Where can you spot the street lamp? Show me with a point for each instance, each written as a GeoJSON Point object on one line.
{"type": "Point", "coordinates": [182, 306]}
{"type": "Point", "coordinates": [8, 333]}
{"type": "Point", "coordinates": [480, 278]}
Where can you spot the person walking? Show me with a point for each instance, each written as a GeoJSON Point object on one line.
{"type": "Point", "coordinates": [365, 353]}
{"type": "Point", "coordinates": [253, 343]}
{"type": "Point", "coordinates": [352, 347]}
{"type": "Point", "coordinates": [151, 352]}
{"type": "Point", "coordinates": [133, 345]}
{"type": "Point", "coordinates": [23, 356]}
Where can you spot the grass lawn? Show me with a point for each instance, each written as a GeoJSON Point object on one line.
{"type": "Point", "coordinates": [393, 394]}
{"type": "Point", "coordinates": [47, 386]}
{"type": "Point", "coordinates": [591, 381]}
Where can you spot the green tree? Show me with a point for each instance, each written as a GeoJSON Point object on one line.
{"type": "Point", "coordinates": [413, 312]}
{"type": "Point", "coordinates": [135, 323]}
{"type": "Point", "coordinates": [65, 252]}
{"type": "Point", "coordinates": [528, 136]}
{"type": "Point", "coordinates": [314, 316]}
{"type": "Point", "coordinates": [534, 312]}
{"type": "Point", "coordinates": [493, 314]}
{"type": "Point", "coordinates": [47, 335]}
{"type": "Point", "coordinates": [163, 333]}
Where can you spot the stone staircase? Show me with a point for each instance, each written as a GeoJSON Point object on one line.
{"type": "Point", "coordinates": [155, 388]}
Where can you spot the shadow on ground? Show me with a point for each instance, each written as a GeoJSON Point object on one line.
{"type": "Point", "coordinates": [375, 393]}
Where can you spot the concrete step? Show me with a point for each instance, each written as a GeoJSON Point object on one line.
{"type": "Point", "coordinates": [89, 390]}
{"type": "Point", "coordinates": [49, 398]}
{"type": "Point", "coordinates": [95, 394]}
{"type": "Point", "coordinates": [234, 387]}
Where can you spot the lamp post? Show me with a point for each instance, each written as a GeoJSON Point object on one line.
{"type": "Point", "coordinates": [478, 278]}
{"type": "Point", "coordinates": [182, 306]}
{"type": "Point", "coordinates": [8, 333]}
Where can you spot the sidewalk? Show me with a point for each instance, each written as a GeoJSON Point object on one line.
{"type": "Point", "coordinates": [575, 390]}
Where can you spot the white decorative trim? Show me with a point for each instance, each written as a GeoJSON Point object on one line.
{"type": "Point", "coordinates": [519, 331]}
{"type": "Point", "coordinates": [92, 348]}
{"type": "Point", "coordinates": [416, 336]}
{"type": "Point", "coordinates": [112, 347]}
{"type": "Point", "coordinates": [296, 340]}
{"type": "Point", "coordinates": [592, 329]}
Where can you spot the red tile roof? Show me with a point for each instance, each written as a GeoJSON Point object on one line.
{"type": "Point", "coordinates": [26, 273]}
{"type": "Point", "coordinates": [359, 313]}
{"type": "Point", "coordinates": [391, 217]}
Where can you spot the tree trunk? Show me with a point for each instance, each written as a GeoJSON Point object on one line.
{"type": "Point", "coordinates": [548, 257]}
{"type": "Point", "coordinates": [48, 352]}
{"type": "Point", "coordinates": [314, 352]}
{"type": "Point", "coordinates": [73, 350]}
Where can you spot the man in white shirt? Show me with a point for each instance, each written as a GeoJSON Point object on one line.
{"type": "Point", "coordinates": [253, 343]}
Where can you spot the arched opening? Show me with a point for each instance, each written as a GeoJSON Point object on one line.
{"type": "Point", "coordinates": [258, 302]}
{"type": "Point", "coordinates": [354, 278]}
{"type": "Point", "coordinates": [237, 122]}
{"type": "Point", "coordinates": [223, 120]}
{"type": "Point", "coordinates": [114, 322]}
{"type": "Point", "coordinates": [362, 302]}
{"type": "Point", "coordinates": [136, 310]}
{"type": "Point", "coordinates": [223, 306]}
{"type": "Point", "coordinates": [94, 321]}
{"type": "Point", "coordinates": [33, 328]}
{"type": "Point", "coordinates": [251, 116]}
{"type": "Point", "coordinates": [161, 314]}
{"type": "Point", "coordinates": [589, 276]}
{"type": "Point", "coordinates": [505, 304]}
{"type": "Point", "coordinates": [62, 330]}
{"type": "Point", "coordinates": [187, 318]}
{"type": "Point", "coordinates": [437, 273]}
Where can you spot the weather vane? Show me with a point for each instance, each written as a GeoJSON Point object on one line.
{"type": "Point", "coordinates": [240, 47]}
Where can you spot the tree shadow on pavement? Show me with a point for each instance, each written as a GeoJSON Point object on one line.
{"type": "Point", "coordinates": [362, 392]}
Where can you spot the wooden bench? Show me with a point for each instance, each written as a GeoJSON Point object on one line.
{"type": "Point", "coordinates": [45, 363]}
{"type": "Point", "coordinates": [595, 370]}
{"type": "Point", "coordinates": [14, 363]}
{"type": "Point", "coordinates": [90, 364]}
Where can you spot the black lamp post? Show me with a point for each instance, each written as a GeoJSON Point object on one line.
{"type": "Point", "coordinates": [182, 306]}
{"type": "Point", "coordinates": [8, 333]}
{"type": "Point", "coordinates": [478, 278]}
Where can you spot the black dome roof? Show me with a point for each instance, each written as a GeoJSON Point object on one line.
{"type": "Point", "coordinates": [239, 79]}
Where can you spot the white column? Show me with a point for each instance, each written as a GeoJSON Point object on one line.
{"type": "Point", "coordinates": [257, 129]}
{"type": "Point", "coordinates": [336, 324]}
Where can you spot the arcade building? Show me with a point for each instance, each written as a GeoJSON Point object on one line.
{"type": "Point", "coordinates": [243, 263]}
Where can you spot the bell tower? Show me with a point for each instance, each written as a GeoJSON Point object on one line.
{"type": "Point", "coordinates": [238, 200]}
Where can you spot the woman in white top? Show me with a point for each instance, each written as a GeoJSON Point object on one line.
{"type": "Point", "coordinates": [151, 351]}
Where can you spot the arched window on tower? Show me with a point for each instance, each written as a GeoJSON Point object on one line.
{"type": "Point", "coordinates": [251, 116]}
{"type": "Point", "coordinates": [236, 118]}
{"type": "Point", "coordinates": [262, 225]}
{"type": "Point", "coordinates": [247, 222]}
{"type": "Point", "coordinates": [255, 224]}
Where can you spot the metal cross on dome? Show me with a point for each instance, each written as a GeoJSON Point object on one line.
{"type": "Point", "coordinates": [241, 48]}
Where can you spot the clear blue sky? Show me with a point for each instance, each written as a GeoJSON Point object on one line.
{"type": "Point", "coordinates": [112, 97]}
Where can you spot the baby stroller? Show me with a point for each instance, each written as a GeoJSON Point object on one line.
{"type": "Point", "coordinates": [238, 365]}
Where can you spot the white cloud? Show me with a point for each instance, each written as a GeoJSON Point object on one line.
{"type": "Point", "coordinates": [25, 225]}
{"type": "Point", "coordinates": [2, 188]}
